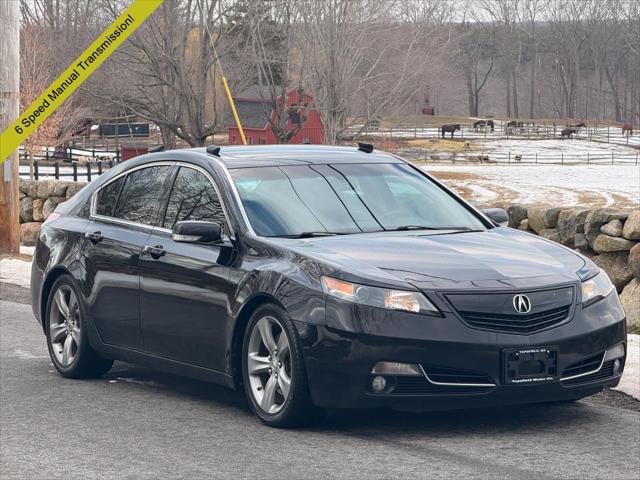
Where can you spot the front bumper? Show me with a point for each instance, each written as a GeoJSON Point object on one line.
{"type": "Point", "coordinates": [340, 355]}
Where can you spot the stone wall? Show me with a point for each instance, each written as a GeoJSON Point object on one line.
{"type": "Point", "coordinates": [608, 236]}
{"type": "Point", "coordinates": [38, 198]}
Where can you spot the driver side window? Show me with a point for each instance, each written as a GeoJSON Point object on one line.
{"type": "Point", "coordinates": [193, 197]}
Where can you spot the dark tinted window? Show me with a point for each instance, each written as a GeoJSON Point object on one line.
{"type": "Point", "coordinates": [193, 197]}
{"type": "Point", "coordinates": [107, 198]}
{"type": "Point", "coordinates": [141, 194]}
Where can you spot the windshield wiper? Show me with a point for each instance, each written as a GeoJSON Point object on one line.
{"type": "Point", "coordinates": [423, 227]}
{"type": "Point", "coordinates": [311, 234]}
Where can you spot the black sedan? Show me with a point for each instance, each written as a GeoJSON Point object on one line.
{"type": "Point", "coordinates": [315, 277]}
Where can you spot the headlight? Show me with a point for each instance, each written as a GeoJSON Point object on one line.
{"type": "Point", "coordinates": [379, 297]}
{"type": "Point", "coordinates": [596, 288]}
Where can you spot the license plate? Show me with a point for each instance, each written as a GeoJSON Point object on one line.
{"type": "Point", "coordinates": [524, 366]}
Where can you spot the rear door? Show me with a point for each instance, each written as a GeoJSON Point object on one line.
{"type": "Point", "coordinates": [185, 287]}
{"type": "Point", "coordinates": [123, 213]}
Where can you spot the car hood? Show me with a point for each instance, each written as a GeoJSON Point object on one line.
{"type": "Point", "coordinates": [499, 257]}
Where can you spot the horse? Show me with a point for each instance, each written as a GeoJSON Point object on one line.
{"type": "Point", "coordinates": [513, 125]}
{"type": "Point", "coordinates": [627, 127]}
{"type": "Point", "coordinates": [449, 128]}
{"type": "Point", "coordinates": [579, 125]}
{"type": "Point", "coordinates": [567, 132]}
{"type": "Point", "coordinates": [483, 123]}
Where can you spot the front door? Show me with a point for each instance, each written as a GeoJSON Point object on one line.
{"type": "Point", "coordinates": [185, 287]}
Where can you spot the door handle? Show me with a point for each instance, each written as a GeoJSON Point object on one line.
{"type": "Point", "coordinates": [93, 237]}
{"type": "Point", "coordinates": [156, 252]}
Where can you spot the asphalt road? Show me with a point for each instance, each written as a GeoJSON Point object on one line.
{"type": "Point", "coordinates": [136, 423]}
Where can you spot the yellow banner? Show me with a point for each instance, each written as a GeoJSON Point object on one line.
{"type": "Point", "coordinates": [75, 75]}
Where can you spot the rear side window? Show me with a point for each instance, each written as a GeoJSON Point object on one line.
{"type": "Point", "coordinates": [193, 197]}
{"type": "Point", "coordinates": [107, 198]}
{"type": "Point", "coordinates": [141, 194]}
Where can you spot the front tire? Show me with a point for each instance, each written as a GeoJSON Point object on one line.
{"type": "Point", "coordinates": [66, 332]}
{"type": "Point", "coordinates": [274, 375]}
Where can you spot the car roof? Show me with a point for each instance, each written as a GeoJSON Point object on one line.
{"type": "Point", "coordinates": [279, 155]}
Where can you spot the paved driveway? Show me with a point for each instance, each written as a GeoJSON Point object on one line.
{"type": "Point", "coordinates": [136, 423]}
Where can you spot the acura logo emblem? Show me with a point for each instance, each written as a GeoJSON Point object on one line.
{"type": "Point", "coordinates": [522, 303]}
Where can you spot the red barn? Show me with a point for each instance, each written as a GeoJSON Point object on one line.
{"type": "Point", "coordinates": [253, 111]}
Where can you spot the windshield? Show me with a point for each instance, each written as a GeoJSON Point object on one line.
{"type": "Point", "coordinates": [346, 198]}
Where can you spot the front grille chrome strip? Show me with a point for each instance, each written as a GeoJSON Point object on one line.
{"type": "Point", "coordinates": [447, 384]}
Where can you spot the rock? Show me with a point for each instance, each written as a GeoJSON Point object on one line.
{"type": "Point", "coordinates": [38, 203]}
{"type": "Point", "coordinates": [74, 188]}
{"type": "Point", "coordinates": [46, 189]}
{"type": "Point", "coordinates": [50, 205]}
{"type": "Point", "coordinates": [535, 215]}
{"type": "Point", "coordinates": [60, 189]}
{"type": "Point", "coordinates": [24, 185]}
{"type": "Point", "coordinates": [516, 213]}
{"type": "Point", "coordinates": [597, 218]}
{"type": "Point", "coordinates": [605, 243]}
{"type": "Point", "coordinates": [634, 260]}
{"type": "Point", "coordinates": [630, 299]}
{"type": "Point", "coordinates": [580, 242]}
{"type": "Point", "coordinates": [615, 264]}
{"type": "Point", "coordinates": [550, 234]}
{"type": "Point", "coordinates": [631, 230]}
{"type": "Point", "coordinates": [613, 228]}
{"type": "Point", "coordinates": [26, 210]}
{"type": "Point", "coordinates": [21, 195]}
{"type": "Point", "coordinates": [29, 233]}
{"type": "Point", "coordinates": [33, 188]}
{"type": "Point", "coordinates": [571, 222]}
{"type": "Point", "coordinates": [524, 225]}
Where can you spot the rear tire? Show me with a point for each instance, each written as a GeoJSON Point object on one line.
{"type": "Point", "coordinates": [273, 370]}
{"type": "Point", "coordinates": [66, 331]}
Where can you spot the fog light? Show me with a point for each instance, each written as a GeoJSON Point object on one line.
{"type": "Point", "coordinates": [616, 366]}
{"type": "Point", "coordinates": [378, 384]}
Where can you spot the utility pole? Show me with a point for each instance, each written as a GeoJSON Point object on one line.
{"type": "Point", "coordinates": [9, 105]}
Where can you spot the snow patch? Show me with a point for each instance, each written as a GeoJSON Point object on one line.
{"type": "Point", "coordinates": [15, 271]}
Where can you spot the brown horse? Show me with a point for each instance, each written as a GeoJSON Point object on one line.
{"type": "Point", "coordinates": [627, 127]}
{"type": "Point", "coordinates": [579, 125]}
{"type": "Point", "coordinates": [567, 132]}
{"type": "Point", "coordinates": [483, 123]}
{"type": "Point", "coordinates": [449, 128]}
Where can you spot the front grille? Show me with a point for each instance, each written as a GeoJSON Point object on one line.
{"type": "Point", "coordinates": [605, 372]}
{"type": "Point", "coordinates": [588, 365]}
{"type": "Point", "coordinates": [516, 323]}
{"type": "Point", "coordinates": [410, 385]}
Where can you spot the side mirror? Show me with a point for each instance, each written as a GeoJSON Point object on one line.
{"type": "Point", "coordinates": [191, 231]}
{"type": "Point", "coordinates": [498, 215]}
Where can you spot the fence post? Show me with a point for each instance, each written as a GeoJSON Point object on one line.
{"type": "Point", "coordinates": [46, 153]}
{"type": "Point", "coordinates": [35, 169]}
{"type": "Point", "coordinates": [536, 157]}
{"type": "Point", "coordinates": [588, 158]}
{"type": "Point", "coordinates": [88, 171]}
{"type": "Point", "coordinates": [75, 170]}
{"type": "Point", "coordinates": [93, 154]}
{"type": "Point", "coordinates": [117, 156]}
{"type": "Point", "coordinates": [636, 159]}
{"type": "Point", "coordinates": [608, 138]}
{"type": "Point", "coordinates": [56, 169]}
{"type": "Point", "coordinates": [509, 161]}
{"type": "Point", "coordinates": [99, 162]}
{"type": "Point", "coordinates": [562, 158]}
{"type": "Point", "coordinates": [611, 158]}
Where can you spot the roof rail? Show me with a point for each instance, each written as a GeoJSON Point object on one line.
{"type": "Point", "coordinates": [213, 150]}
{"type": "Point", "coordinates": [365, 147]}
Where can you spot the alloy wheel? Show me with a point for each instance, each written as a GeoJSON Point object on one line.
{"type": "Point", "coordinates": [269, 364]}
{"type": "Point", "coordinates": [64, 325]}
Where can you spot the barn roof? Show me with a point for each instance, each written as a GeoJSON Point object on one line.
{"type": "Point", "coordinates": [252, 114]}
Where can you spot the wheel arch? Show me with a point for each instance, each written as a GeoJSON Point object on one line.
{"type": "Point", "coordinates": [242, 319]}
